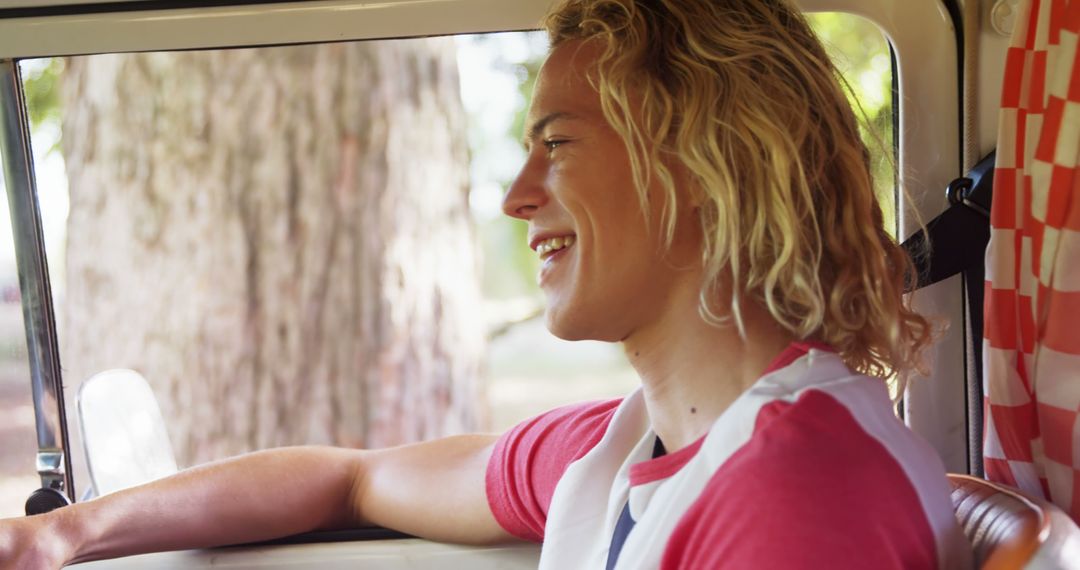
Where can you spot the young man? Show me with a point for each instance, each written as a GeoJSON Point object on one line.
{"type": "Point", "coordinates": [697, 189]}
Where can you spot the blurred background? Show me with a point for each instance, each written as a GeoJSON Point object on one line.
{"type": "Point", "coordinates": [305, 244]}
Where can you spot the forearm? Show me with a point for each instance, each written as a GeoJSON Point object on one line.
{"type": "Point", "coordinates": [249, 498]}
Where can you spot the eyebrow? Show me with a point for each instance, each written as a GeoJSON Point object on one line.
{"type": "Point", "coordinates": [539, 125]}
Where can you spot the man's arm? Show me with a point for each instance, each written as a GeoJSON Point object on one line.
{"type": "Point", "coordinates": [433, 489]}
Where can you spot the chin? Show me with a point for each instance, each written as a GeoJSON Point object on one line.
{"type": "Point", "coordinates": [577, 325]}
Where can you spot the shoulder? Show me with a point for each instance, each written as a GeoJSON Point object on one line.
{"type": "Point", "coordinates": [528, 461]}
{"type": "Point", "coordinates": [812, 488]}
{"type": "Point", "coordinates": [563, 434]}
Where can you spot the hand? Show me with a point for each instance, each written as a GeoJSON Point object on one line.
{"type": "Point", "coordinates": [32, 543]}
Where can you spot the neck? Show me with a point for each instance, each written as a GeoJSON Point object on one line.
{"type": "Point", "coordinates": [692, 371]}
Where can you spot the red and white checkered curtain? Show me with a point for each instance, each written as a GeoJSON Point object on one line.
{"type": "Point", "coordinates": [1032, 336]}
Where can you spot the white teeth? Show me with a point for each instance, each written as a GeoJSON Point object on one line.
{"type": "Point", "coordinates": [554, 244]}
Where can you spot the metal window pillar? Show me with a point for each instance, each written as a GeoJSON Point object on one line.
{"type": "Point", "coordinates": [53, 458]}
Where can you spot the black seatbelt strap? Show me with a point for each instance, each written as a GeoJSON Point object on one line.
{"type": "Point", "coordinates": [958, 236]}
{"type": "Point", "coordinates": [957, 241]}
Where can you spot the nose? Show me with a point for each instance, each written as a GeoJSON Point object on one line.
{"type": "Point", "coordinates": [527, 193]}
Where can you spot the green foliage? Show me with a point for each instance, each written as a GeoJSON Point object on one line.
{"type": "Point", "coordinates": [41, 79]}
{"type": "Point", "coordinates": [862, 56]}
{"type": "Point", "coordinates": [40, 82]}
{"type": "Point", "coordinates": [511, 268]}
{"type": "Point", "coordinates": [526, 72]}
{"type": "Point", "coordinates": [525, 260]}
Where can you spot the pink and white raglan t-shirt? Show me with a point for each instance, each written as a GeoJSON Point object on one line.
{"type": "Point", "coordinates": [809, 468]}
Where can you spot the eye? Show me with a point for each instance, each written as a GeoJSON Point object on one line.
{"type": "Point", "coordinates": [552, 144]}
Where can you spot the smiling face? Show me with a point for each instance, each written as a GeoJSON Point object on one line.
{"type": "Point", "coordinates": [605, 272]}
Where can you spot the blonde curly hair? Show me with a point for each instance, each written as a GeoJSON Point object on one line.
{"type": "Point", "coordinates": [743, 94]}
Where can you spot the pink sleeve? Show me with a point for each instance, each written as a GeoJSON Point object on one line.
{"type": "Point", "coordinates": [529, 460]}
{"type": "Point", "coordinates": [781, 502]}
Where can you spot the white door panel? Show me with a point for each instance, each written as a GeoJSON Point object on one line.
{"type": "Point", "coordinates": [403, 554]}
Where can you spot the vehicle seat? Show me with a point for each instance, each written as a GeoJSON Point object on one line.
{"type": "Point", "coordinates": [1010, 530]}
{"type": "Point", "coordinates": [123, 432]}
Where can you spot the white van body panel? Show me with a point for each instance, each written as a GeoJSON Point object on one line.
{"type": "Point", "coordinates": [255, 25]}
{"type": "Point", "coordinates": [402, 554]}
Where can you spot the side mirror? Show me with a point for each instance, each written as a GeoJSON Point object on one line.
{"type": "Point", "coordinates": [123, 432]}
{"type": "Point", "coordinates": [44, 500]}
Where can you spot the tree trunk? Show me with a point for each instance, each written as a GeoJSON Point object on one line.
{"type": "Point", "coordinates": [278, 239]}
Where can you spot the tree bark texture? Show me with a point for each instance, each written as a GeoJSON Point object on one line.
{"type": "Point", "coordinates": [278, 239]}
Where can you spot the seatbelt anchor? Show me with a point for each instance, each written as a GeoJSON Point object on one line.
{"type": "Point", "coordinates": [976, 189]}
{"type": "Point", "coordinates": [959, 192]}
